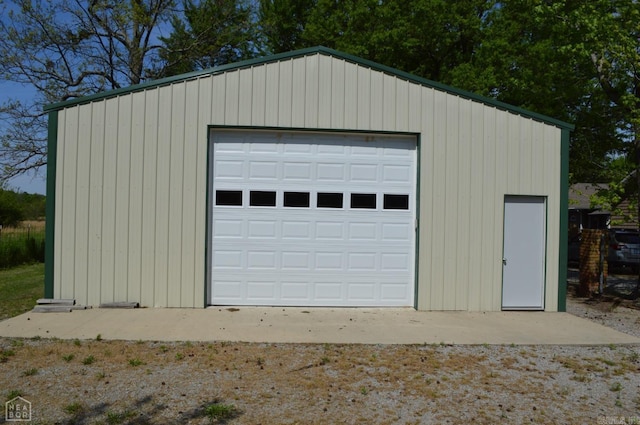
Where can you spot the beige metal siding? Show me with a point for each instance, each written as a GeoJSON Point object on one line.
{"type": "Point", "coordinates": [131, 178]}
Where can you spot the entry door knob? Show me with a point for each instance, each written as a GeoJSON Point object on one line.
{"type": "Point", "coordinates": [504, 261]}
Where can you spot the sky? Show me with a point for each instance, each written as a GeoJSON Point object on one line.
{"type": "Point", "coordinates": [29, 183]}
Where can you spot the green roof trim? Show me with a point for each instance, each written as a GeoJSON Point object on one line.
{"type": "Point", "coordinates": [307, 52]}
{"type": "Point", "coordinates": [564, 221]}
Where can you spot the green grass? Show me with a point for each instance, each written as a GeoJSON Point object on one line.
{"type": "Point", "coordinates": [21, 247]}
{"type": "Point", "coordinates": [219, 411]}
{"type": "Point", "coordinates": [20, 288]}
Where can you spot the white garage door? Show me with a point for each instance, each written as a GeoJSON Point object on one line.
{"type": "Point", "coordinates": [312, 219]}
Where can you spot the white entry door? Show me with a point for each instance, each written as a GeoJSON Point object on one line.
{"type": "Point", "coordinates": [524, 253]}
{"type": "Point", "coordinates": [312, 219]}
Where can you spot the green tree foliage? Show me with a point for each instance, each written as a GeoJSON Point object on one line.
{"type": "Point", "coordinates": [10, 212]}
{"type": "Point", "coordinates": [210, 33]}
{"type": "Point", "coordinates": [428, 38]}
{"type": "Point", "coordinates": [282, 23]}
{"type": "Point", "coordinates": [15, 207]}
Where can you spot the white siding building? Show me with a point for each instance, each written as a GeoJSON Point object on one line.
{"type": "Point", "coordinates": [311, 178]}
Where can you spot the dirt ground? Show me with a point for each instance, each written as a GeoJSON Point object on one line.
{"type": "Point", "coordinates": [128, 382]}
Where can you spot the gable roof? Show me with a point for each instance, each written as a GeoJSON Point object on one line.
{"type": "Point", "coordinates": [580, 195]}
{"type": "Point", "coordinates": [307, 52]}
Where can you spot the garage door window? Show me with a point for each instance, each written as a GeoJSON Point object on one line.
{"type": "Point", "coordinates": [395, 202]}
{"type": "Point", "coordinates": [229, 197]}
{"type": "Point", "coordinates": [363, 200]}
{"type": "Point", "coordinates": [329, 200]}
{"type": "Point", "coordinates": [262, 199]}
{"type": "Point", "coordinates": [296, 199]}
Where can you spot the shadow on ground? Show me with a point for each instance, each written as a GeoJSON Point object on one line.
{"type": "Point", "coordinates": [617, 286]}
{"type": "Point", "coordinates": [145, 411]}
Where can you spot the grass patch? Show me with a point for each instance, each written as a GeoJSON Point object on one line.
{"type": "Point", "coordinates": [136, 362]}
{"type": "Point", "coordinates": [13, 394]}
{"type": "Point", "coordinates": [68, 357]}
{"type": "Point", "coordinates": [30, 372]}
{"type": "Point", "coordinates": [20, 288]}
{"type": "Point", "coordinates": [73, 408]}
{"type": "Point", "coordinates": [21, 246]}
{"type": "Point", "coordinates": [114, 418]}
{"type": "Point", "coordinates": [220, 411]}
{"type": "Point", "coordinates": [88, 360]}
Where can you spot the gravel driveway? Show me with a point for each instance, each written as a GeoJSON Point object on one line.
{"type": "Point", "coordinates": [111, 382]}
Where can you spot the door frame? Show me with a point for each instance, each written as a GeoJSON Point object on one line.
{"type": "Point", "coordinates": [545, 205]}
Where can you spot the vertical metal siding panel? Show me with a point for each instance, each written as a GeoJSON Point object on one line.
{"type": "Point", "coordinates": [149, 166]}
{"type": "Point", "coordinates": [245, 97]}
{"type": "Point", "coordinates": [377, 98]}
{"type": "Point", "coordinates": [201, 213]}
{"type": "Point", "coordinates": [218, 102]}
{"type": "Point", "coordinates": [451, 215]}
{"type": "Point", "coordinates": [298, 91]}
{"type": "Point", "coordinates": [514, 146]}
{"type": "Point", "coordinates": [272, 95]}
{"type": "Point", "coordinates": [538, 146]}
{"type": "Point", "coordinates": [464, 208]}
{"type": "Point", "coordinates": [82, 205]}
{"type": "Point", "coordinates": [258, 99]}
{"type": "Point", "coordinates": [490, 208]}
{"type": "Point", "coordinates": [285, 93]}
{"type": "Point", "coordinates": [402, 105]}
{"type": "Point", "coordinates": [337, 93]}
{"type": "Point", "coordinates": [232, 91]}
{"type": "Point", "coordinates": [501, 187]}
{"type": "Point", "coordinates": [364, 98]}
{"type": "Point", "coordinates": [311, 98]}
{"type": "Point", "coordinates": [122, 168]}
{"type": "Point", "coordinates": [136, 161]}
{"type": "Point", "coordinates": [69, 206]}
{"type": "Point", "coordinates": [526, 157]}
{"type": "Point", "coordinates": [350, 96]}
{"type": "Point", "coordinates": [389, 103]}
{"type": "Point", "coordinates": [415, 108]}
{"type": "Point", "coordinates": [176, 172]}
{"type": "Point", "coordinates": [163, 181]}
{"type": "Point", "coordinates": [94, 260]}
{"type": "Point", "coordinates": [476, 188]}
{"type": "Point", "coordinates": [109, 195]}
{"type": "Point", "coordinates": [324, 95]}
{"type": "Point", "coordinates": [438, 206]}
{"type": "Point", "coordinates": [425, 222]}
{"type": "Point", "coordinates": [189, 184]}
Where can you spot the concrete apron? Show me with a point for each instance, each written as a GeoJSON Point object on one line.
{"type": "Point", "coordinates": [315, 325]}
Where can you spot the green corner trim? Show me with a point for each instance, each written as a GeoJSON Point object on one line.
{"type": "Point", "coordinates": [564, 220]}
{"type": "Point", "coordinates": [52, 147]}
{"type": "Point", "coordinates": [308, 52]}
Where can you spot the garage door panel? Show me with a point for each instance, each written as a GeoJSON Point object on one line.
{"type": "Point", "coordinates": [296, 230]}
{"type": "Point", "coordinates": [335, 228]}
{"type": "Point", "coordinates": [262, 229]}
{"type": "Point", "coordinates": [229, 169]}
{"type": "Point", "coordinates": [263, 170]}
{"type": "Point", "coordinates": [296, 260]}
{"type": "Point", "coordinates": [228, 228]}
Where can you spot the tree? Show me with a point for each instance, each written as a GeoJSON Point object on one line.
{"type": "Point", "coordinates": [10, 212]}
{"type": "Point", "coordinates": [211, 33]}
{"type": "Point", "coordinates": [66, 49]}
{"type": "Point", "coordinates": [428, 38]}
{"type": "Point", "coordinates": [282, 23]}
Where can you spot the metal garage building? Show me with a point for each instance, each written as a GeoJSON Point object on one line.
{"type": "Point", "coordinates": [311, 178]}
